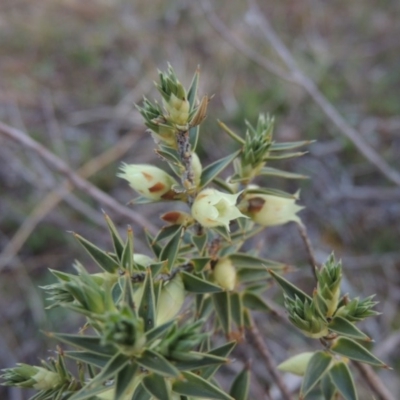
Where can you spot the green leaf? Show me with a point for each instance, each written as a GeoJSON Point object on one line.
{"type": "Point", "coordinates": [170, 251]}
{"type": "Point", "coordinates": [91, 344]}
{"type": "Point", "coordinates": [222, 351]}
{"type": "Point", "coordinates": [214, 169]}
{"type": "Point", "coordinates": [223, 185]}
{"type": "Point", "coordinates": [243, 260]}
{"type": "Point", "coordinates": [223, 231]}
{"type": "Point", "coordinates": [116, 238]}
{"type": "Point", "coordinates": [147, 308]}
{"type": "Point", "coordinates": [284, 156]}
{"type": "Point", "coordinates": [194, 385]}
{"type": "Point", "coordinates": [255, 302]}
{"type": "Point", "coordinates": [166, 231]}
{"type": "Point", "coordinates": [98, 360]}
{"type": "Point", "coordinates": [109, 371]}
{"type": "Point", "coordinates": [157, 387]}
{"type": "Point", "coordinates": [237, 309]}
{"type": "Point", "coordinates": [169, 154]}
{"type": "Point", "coordinates": [141, 393]}
{"type": "Point", "coordinates": [342, 379]}
{"type": "Point", "coordinates": [247, 275]}
{"type": "Point", "coordinates": [232, 134]}
{"type": "Point", "coordinates": [353, 350]}
{"type": "Point", "coordinates": [125, 380]}
{"type": "Point", "coordinates": [102, 259]}
{"type": "Point", "coordinates": [346, 328]}
{"type": "Point", "coordinates": [152, 244]}
{"type": "Point", "coordinates": [289, 145]}
{"type": "Point", "coordinates": [195, 284]}
{"type": "Point", "coordinates": [240, 386]}
{"type": "Point", "coordinates": [200, 241]}
{"type": "Point", "coordinates": [155, 362]}
{"type": "Point", "coordinates": [200, 263]}
{"type": "Point", "coordinates": [328, 388]}
{"type": "Point", "coordinates": [317, 367]}
{"type": "Point", "coordinates": [194, 136]}
{"type": "Point", "coordinates": [268, 171]}
{"type": "Point", "coordinates": [89, 393]}
{"type": "Point", "coordinates": [222, 305]}
{"type": "Point", "coordinates": [192, 91]}
{"type": "Point", "coordinates": [291, 290]}
{"type": "Point", "coordinates": [204, 306]}
{"type": "Point", "coordinates": [157, 331]}
{"type": "Point", "coordinates": [297, 364]}
{"type": "Point", "coordinates": [200, 360]}
{"type": "Point", "coordinates": [127, 255]}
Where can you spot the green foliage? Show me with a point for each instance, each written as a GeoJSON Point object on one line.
{"type": "Point", "coordinates": [152, 323]}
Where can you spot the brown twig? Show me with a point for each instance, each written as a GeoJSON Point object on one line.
{"type": "Point", "coordinates": [373, 381]}
{"type": "Point", "coordinates": [74, 179]}
{"type": "Point", "coordinates": [269, 361]}
{"type": "Point", "coordinates": [295, 75]}
{"type": "Point", "coordinates": [310, 252]}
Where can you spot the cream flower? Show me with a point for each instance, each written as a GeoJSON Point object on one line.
{"type": "Point", "coordinates": [151, 182]}
{"type": "Point", "coordinates": [269, 210]}
{"type": "Point", "coordinates": [214, 208]}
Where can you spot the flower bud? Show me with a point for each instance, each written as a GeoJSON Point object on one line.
{"type": "Point", "coordinates": [28, 376]}
{"type": "Point", "coordinates": [170, 300]}
{"type": "Point", "coordinates": [177, 109]}
{"type": "Point", "coordinates": [225, 274]}
{"type": "Point", "coordinates": [297, 364]}
{"type": "Point", "coordinates": [214, 208]}
{"type": "Point", "coordinates": [197, 168]}
{"type": "Point", "coordinates": [151, 182]}
{"type": "Point", "coordinates": [142, 259]}
{"type": "Point", "coordinates": [269, 210]}
{"type": "Point", "coordinates": [305, 316]}
{"type": "Point", "coordinates": [329, 279]}
{"type": "Point", "coordinates": [177, 218]}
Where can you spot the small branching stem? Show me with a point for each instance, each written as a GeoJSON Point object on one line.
{"type": "Point", "coordinates": [310, 251]}
{"type": "Point", "coordinates": [185, 155]}
{"type": "Point", "coordinates": [266, 355]}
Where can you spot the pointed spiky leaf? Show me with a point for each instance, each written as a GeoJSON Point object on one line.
{"type": "Point", "coordinates": [157, 331]}
{"type": "Point", "coordinates": [289, 145]}
{"type": "Point", "coordinates": [222, 351]}
{"type": "Point", "coordinates": [214, 169]}
{"type": "Point", "coordinates": [240, 386]}
{"type": "Point", "coordinates": [268, 171]}
{"type": "Point", "coordinates": [157, 387]}
{"type": "Point", "coordinates": [255, 302]}
{"type": "Point", "coordinates": [102, 259]}
{"type": "Point", "coordinates": [222, 305]}
{"type": "Point", "coordinates": [98, 360]}
{"type": "Point", "coordinates": [195, 284]}
{"type": "Point", "coordinates": [200, 241]}
{"type": "Point", "coordinates": [124, 381]}
{"type": "Point", "coordinates": [328, 389]}
{"type": "Point", "coordinates": [342, 379]}
{"type": "Point", "coordinates": [91, 344]}
{"type": "Point", "coordinates": [344, 327]}
{"type": "Point", "coordinates": [237, 309]}
{"type": "Point", "coordinates": [317, 367]}
{"type": "Point", "coordinates": [291, 290]}
{"type": "Point", "coordinates": [155, 362]}
{"type": "Point", "coordinates": [127, 255]}
{"type": "Point", "coordinates": [116, 238]}
{"type": "Point", "coordinates": [243, 260]}
{"type": "Point", "coordinates": [141, 393]}
{"type": "Point", "coordinates": [353, 350]}
{"type": "Point", "coordinates": [170, 251]}
{"type": "Point", "coordinates": [194, 385]}
{"type": "Point", "coordinates": [147, 307]}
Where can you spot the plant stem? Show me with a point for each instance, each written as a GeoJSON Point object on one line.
{"type": "Point", "coordinates": [310, 251]}
{"type": "Point", "coordinates": [185, 155]}
{"type": "Point", "coordinates": [269, 361]}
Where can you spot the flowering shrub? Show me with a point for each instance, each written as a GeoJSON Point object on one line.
{"type": "Point", "coordinates": [151, 322]}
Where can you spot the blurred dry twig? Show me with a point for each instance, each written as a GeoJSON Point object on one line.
{"type": "Point", "coordinates": [75, 180]}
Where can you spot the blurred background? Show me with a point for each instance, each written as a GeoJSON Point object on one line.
{"type": "Point", "coordinates": [71, 73]}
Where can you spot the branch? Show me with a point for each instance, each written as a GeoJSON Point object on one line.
{"type": "Point", "coordinates": [73, 178]}
{"type": "Point", "coordinates": [269, 361]}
